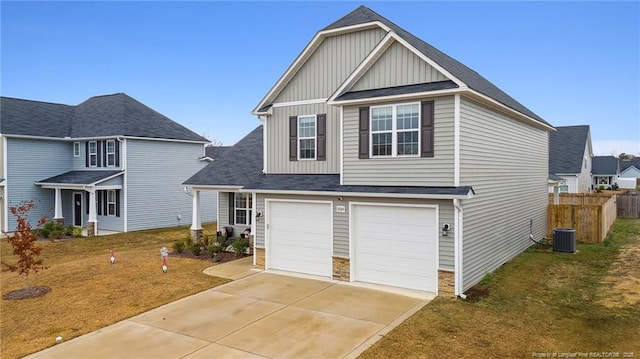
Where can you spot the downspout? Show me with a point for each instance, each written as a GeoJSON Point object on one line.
{"type": "Point", "coordinates": [264, 142]}
{"type": "Point", "coordinates": [125, 187]}
{"type": "Point", "coordinates": [457, 215]}
{"type": "Point", "coordinates": [5, 191]}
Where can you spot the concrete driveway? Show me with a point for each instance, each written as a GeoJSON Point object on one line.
{"type": "Point", "coordinates": [258, 315]}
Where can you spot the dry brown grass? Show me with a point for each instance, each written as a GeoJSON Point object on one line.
{"type": "Point", "coordinates": [89, 293]}
{"type": "Point", "coordinates": [541, 302]}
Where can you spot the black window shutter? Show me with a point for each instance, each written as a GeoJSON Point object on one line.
{"type": "Point", "coordinates": [105, 203]}
{"type": "Point", "coordinates": [426, 128]}
{"type": "Point", "coordinates": [117, 153]}
{"type": "Point", "coordinates": [86, 201]}
{"type": "Point", "coordinates": [117, 197]}
{"type": "Point", "coordinates": [99, 156]}
{"type": "Point", "coordinates": [86, 154]}
{"type": "Point", "coordinates": [232, 203]}
{"type": "Point", "coordinates": [293, 138]}
{"type": "Point", "coordinates": [321, 135]}
{"type": "Point", "coordinates": [99, 198]}
{"type": "Point", "coordinates": [363, 144]}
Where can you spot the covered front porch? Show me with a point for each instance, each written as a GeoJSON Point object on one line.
{"type": "Point", "coordinates": [88, 199]}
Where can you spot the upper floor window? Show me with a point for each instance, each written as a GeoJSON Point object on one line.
{"type": "Point", "coordinates": [243, 208]}
{"type": "Point", "coordinates": [111, 153]}
{"type": "Point", "coordinates": [93, 154]}
{"type": "Point", "coordinates": [395, 130]}
{"type": "Point", "coordinates": [76, 149]}
{"type": "Point", "coordinates": [307, 137]}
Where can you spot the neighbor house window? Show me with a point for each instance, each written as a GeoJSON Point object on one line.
{"type": "Point", "coordinates": [111, 203]}
{"type": "Point", "coordinates": [93, 154]}
{"type": "Point", "coordinates": [76, 149]}
{"type": "Point", "coordinates": [395, 130]}
{"type": "Point", "coordinates": [307, 137]}
{"type": "Point", "coordinates": [564, 188]}
{"type": "Point", "coordinates": [111, 153]}
{"type": "Point", "coordinates": [243, 206]}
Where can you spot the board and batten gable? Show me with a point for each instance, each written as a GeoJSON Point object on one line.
{"type": "Point", "coordinates": [506, 163]}
{"type": "Point", "coordinates": [398, 66]}
{"type": "Point", "coordinates": [28, 161]}
{"type": "Point", "coordinates": [329, 65]}
{"type": "Point", "coordinates": [341, 221]}
{"type": "Point", "coordinates": [155, 171]}
{"type": "Point", "coordinates": [277, 138]}
{"type": "Point", "coordinates": [402, 171]}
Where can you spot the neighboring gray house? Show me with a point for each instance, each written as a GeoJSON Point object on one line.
{"type": "Point", "coordinates": [629, 167]}
{"type": "Point", "coordinates": [109, 163]}
{"type": "Point", "coordinates": [382, 160]}
{"type": "Point", "coordinates": [604, 170]}
{"type": "Point", "coordinates": [570, 154]}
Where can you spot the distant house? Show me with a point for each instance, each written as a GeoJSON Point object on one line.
{"type": "Point", "coordinates": [382, 160]}
{"type": "Point", "coordinates": [109, 163]}
{"type": "Point", "coordinates": [570, 154]}
{"type": "Point", "coordinates": [609, 170]}
{"type": "Point", "coordinates": [213, 152]}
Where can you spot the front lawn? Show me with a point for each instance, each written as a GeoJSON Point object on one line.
{"type": "Point", "coordinates": [541, 303]}
{"type": "Point", "coordinates": [88, 293]}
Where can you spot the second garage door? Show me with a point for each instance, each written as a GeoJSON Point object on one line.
{"type": "Point", "coordinates": [299, 237]}
{"type": "Point", "coordinates": [396, 245]}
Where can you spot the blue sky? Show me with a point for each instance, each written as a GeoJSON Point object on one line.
{"type": "Point", "coordinates": [207, 64]}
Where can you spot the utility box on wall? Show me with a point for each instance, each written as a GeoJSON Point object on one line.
{"type": "Point", "coordinates": [564, 240]}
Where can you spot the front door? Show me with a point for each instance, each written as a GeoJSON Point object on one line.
{"type": "Point", "coordinates": [77, 209]}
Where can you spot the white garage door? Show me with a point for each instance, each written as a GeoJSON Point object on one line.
{"type": "Point", "coordinates": [396, 246]}
{"type": "Point", "coordinates": [300, 235]}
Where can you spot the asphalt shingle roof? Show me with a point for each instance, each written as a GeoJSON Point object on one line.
{"type": "Point", "coordinates": [604, 165]}
{"type": "Point", "coordinates": [566, 149]}
{"type": "Point", "coordinates": [398, 90]}
{"type": "Point", "coordinates": [624, 164]}
{"type": "Point", "coordinates": [215, 151]}
{"type": "Point", "coordinates": [109, 115]}
{"type": "Point", "coordinates": [80, 177]}
{"type": "Point", "coordinates": [471, 78]}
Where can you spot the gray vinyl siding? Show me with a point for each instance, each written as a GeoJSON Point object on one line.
{"type": "Point", "coordinates": [29, 161]}
{"type": "Point", "coordinates": [506, 162]}
{"type": "Point", "coordinates": [341, 222]}
{"type": "Point", "coordinates": [155, 172]}
{"type": "Point", "coordinates": [402, 171]}
{"type": "Point", "coordinates": [112, 223]}
{"type": "Point", "coordinates": [398, 66]}
{"type": "Point", "coordinates": [278, 140]}
{"type": "Point", "coordinates": [331, 63]}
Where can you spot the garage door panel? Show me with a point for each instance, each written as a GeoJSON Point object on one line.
{"type": "Point", "coordinates": [396, 246]}
{"type": "Point", "coordinates": [300, 237]}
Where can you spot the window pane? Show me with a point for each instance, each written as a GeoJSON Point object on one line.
{"type": "Point", "coordinates": [307, 126]}
{"type": "Point", "coordinates": [408, 143]}
{"type": "Point", "coordinates": [308, 148]}
{"type": "Point", "coordinates": [381, 119]}
{"type": "Point", "coordinates": [92, 147]}
{"type": "Point", "coordinates": [241, 216]}
{"type": "Point", "coordinates": [381, 144]}
{"type": "Point", "coordinates": [241, 200]}
{"type": "Point", "coordinates": [407, 117]}
{"type": "Point", "coordinates": [111, 147]}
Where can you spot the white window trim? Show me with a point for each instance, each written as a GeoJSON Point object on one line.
{"type": "Point", "coordinates": [76, 146]}
{"type": "Point", "coordinates": [394, 130]}
{"type": "Point", "coordinates": [247, 209]}
{"type": "Point", "coordinates": [315, 138]}
{"type": "Point", "coordinates": [111, 153]}
{"type": "Point", "coordinates": [93, 154]}
{"type": "Point", "coordinates": [109, 203]}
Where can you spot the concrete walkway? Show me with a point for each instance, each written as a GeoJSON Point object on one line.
{"type": "Point", "coordinates": [258, 315]}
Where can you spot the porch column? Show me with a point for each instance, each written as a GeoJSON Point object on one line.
{"type": "Point", "coordinates": [556, 194]}
{"type": "Point", "coordinates": [57, 216]}
{"type": "Point", "coordinates": [92, 223]}
{"type": "Point", "coordinates": [196, 226]}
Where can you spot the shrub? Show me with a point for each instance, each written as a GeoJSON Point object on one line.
{"type": "Point", "coordinates": [52, 229]}
{"type": "Point", "coordinates": [188, 241]}
{"type": "Point", "coordinates": [601, 187]}
{"type": "Point", "coordinates": [178, 246]}
{"type": "Point", "coordinates": [240, 246]}
{"type": "Point", "coordinates": [195, 249]}
{"type": "Point", "coordinates": [214, 248]}
{"type": "Point", "coordinates": [68, 230]}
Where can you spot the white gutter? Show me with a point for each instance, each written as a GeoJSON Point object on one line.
{"type": "Point", "coordinates": [76, 139]}
{"type": "Point", "coordinates": [457, 249]}
{"type": "Point", "coordinates": [356, 194]}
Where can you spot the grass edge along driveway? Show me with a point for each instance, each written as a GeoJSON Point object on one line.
{"type": "Point", "coordinates": [541, 303]}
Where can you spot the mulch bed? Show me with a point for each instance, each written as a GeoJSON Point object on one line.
{"type": "Point", "coordinates": [221, 257]}
{"type": "Point", "coordinates": [26, 293]}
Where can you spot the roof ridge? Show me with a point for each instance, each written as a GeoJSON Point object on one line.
{"type": "Point", "coordinates": [37, 101]}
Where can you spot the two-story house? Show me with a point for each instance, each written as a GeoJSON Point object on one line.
{"type": "Point", "coordinates": [109, 163]}
{"type": "Point", "coordinates": [384, 161]}
{"type": "Point", "coordinates": [570, 153]}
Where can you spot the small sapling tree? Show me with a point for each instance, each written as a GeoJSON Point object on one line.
{"type": "Point", "coordinates": [23, 242]}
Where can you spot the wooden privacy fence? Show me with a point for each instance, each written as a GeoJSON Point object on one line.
{"type": "Point", "coordinates": [591, 215]}
{"type": "Point", "coordinates": [629, 205]}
